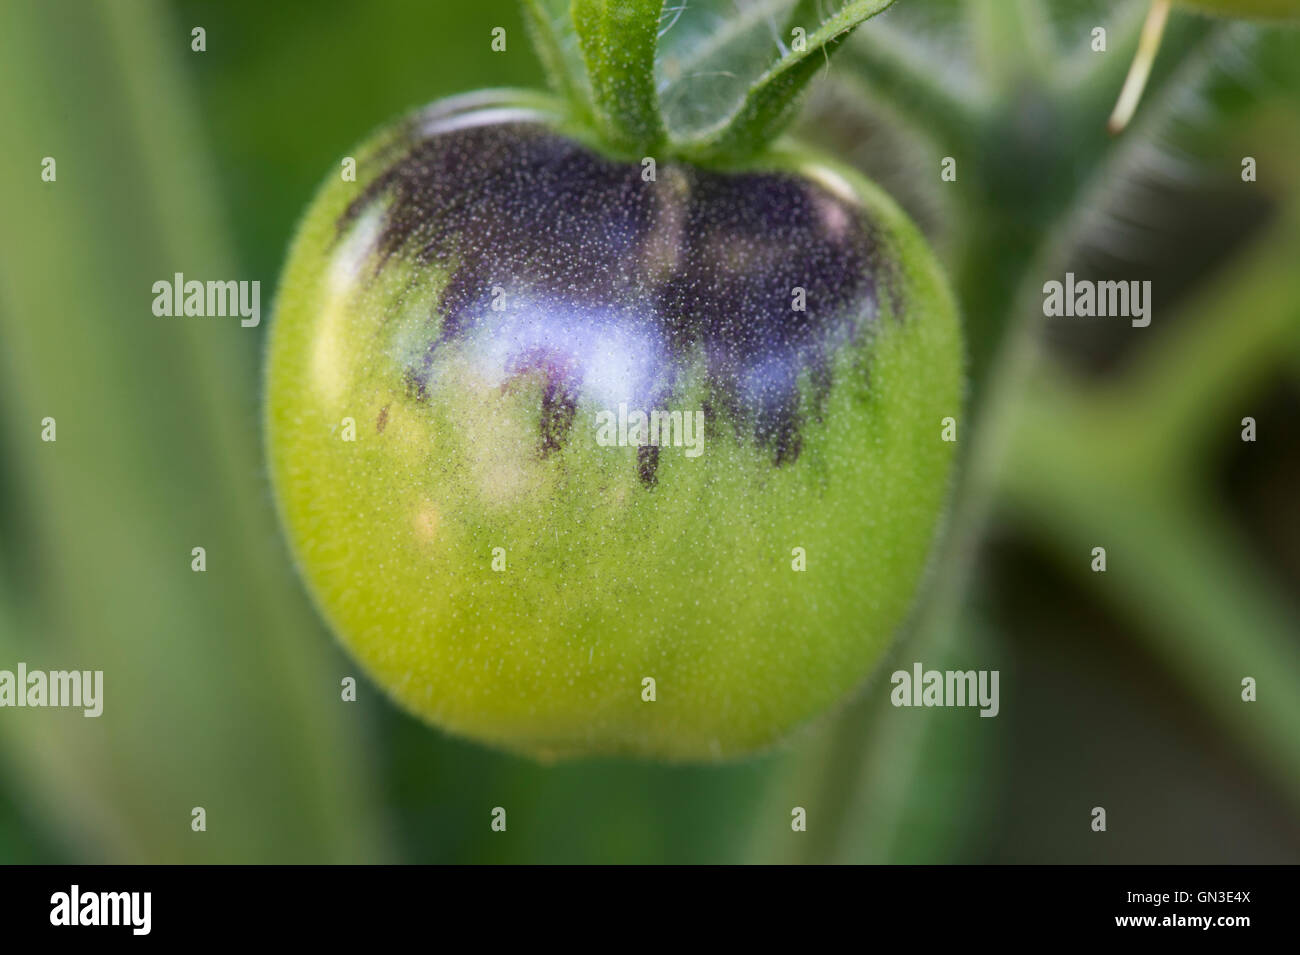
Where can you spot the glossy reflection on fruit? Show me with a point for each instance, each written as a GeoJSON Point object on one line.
{"type": "Point", "coordinates": [485, 309]}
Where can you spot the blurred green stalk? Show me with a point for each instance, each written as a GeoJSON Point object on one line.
{"type": "Point", "coordinates": [1124, 468]}
{"type": "Point", "coordinates": [221, 690]}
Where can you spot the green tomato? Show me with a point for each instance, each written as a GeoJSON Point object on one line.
{"type": "Point", "coordinates": [462, 342]}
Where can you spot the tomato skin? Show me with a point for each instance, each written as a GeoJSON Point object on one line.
{"type": "Point", "coordinates": [497, 567]}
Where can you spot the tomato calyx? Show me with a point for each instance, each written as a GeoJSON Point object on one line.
{"type": "Point", "coordinates": [617, 64]}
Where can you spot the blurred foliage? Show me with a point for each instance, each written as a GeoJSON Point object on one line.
{"type": "Point", "coordinates": [215, 681]}
{"type": "Point", "coordinates": [1119, 689]}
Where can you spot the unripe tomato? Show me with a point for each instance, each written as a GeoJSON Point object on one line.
{"type": "Point", "coordinates": [462, 339]}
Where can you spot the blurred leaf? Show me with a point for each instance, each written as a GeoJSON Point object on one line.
{"type": "Point", "coordinates": [729, 82]}
{"type": "Point", "coordinates": [220, 689]}
{"type": "Point", "coordinates": [710, 53]}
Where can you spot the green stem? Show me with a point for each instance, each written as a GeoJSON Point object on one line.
{"type": "Point", "coordinates": [547, 40]}
{"type": "Point", "coordinates": [1088, 471]}
{"type": "Point", "coordinates": [618, 39]}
